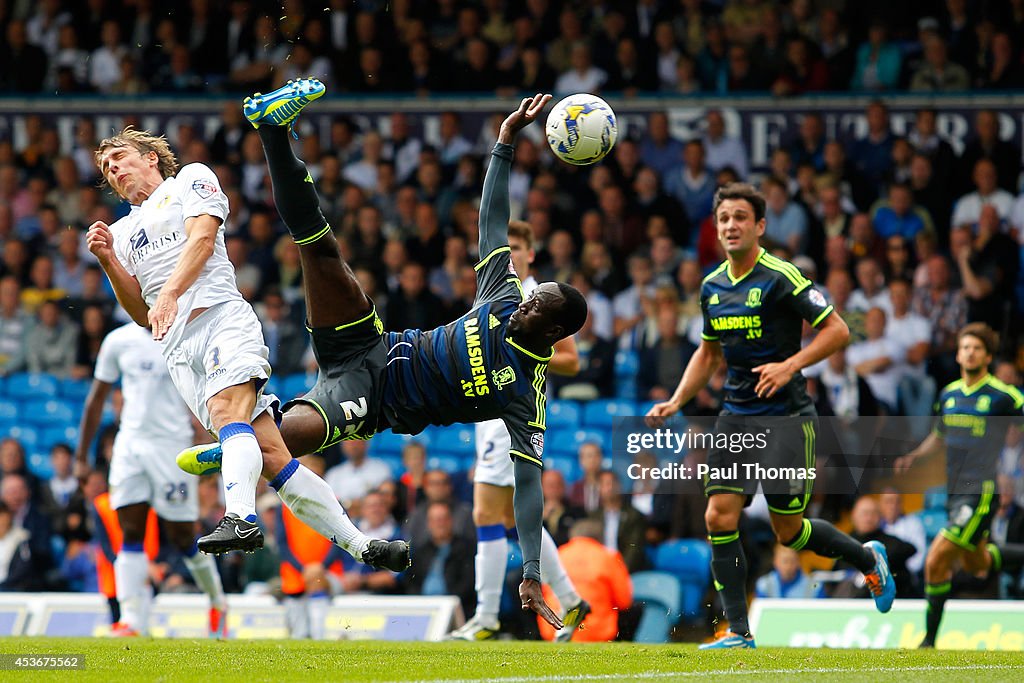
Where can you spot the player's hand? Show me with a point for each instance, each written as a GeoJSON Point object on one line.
{"type": "Point", "coordinates": [774, 376]}
{"type": "Point", "coordinates": [658, 413]}
{"type": "Point", "coordinates": [903, 463]}
{"type": "Point", "coordinates": [81, 470]}
{"type": "Point", "coordinates": [528, 111]}
{"type": "Point", "coordinates": [162, 315]}
{"type": "Point", "coordinates": [100, 241]}
{"type": "Point", "coordinates": [532, 598]}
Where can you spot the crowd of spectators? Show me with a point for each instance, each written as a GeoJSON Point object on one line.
{"type": "Point", "coordinates": [909, 239]}
{"type": "Point", "coordinates": [131, 47]}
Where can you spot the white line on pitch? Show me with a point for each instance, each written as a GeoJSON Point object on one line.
{"type": "Point", "coordinates": [655, 675]}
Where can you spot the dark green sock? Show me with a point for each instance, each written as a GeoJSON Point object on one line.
{"type": "Point", "coordinates": [294, 193]}
{"type": "Point", "coordinates": [822, 538]}
{"type": "Point", "coordinates": [729, 567]}
{"type": "Point", "coordinates": [1008, 557]}
{"type": "Point", "coordinates": [935, 595]}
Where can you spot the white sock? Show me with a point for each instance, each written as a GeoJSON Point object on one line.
{"type": "Point", "coordinates": [131, 571]}
{"type": "Point", "coordinates": [241, 463]}
{"type": "Point", "coordinates": [318, 606]}
{"type": "Point", "coordinates": [204, 570]}
{"type": "Point", "coordinates": [295, 616]}
{"type": "Point", "coordinates": [311, 499]}
{"type": "Point", "coordinates": [553, 573]}
{"type": "Point", "coordinates": [491, 562]}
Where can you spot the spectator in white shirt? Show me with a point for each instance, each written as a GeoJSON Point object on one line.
{"type": "Point", "coordinates": [1017, 217]}
{"type": "Point", "coordinates": [877, 360]}
{"type": "Point", "coordinates": [105, 63]}
{"type": "Point", "coordinates": [904, 527]}
{"type": "Point", "coordinates": [913, 333]}
{"type": "Point", "coordinates": [721, 150]}
{"type": "Point", "coordinates": [363, 173]}
{"type": "Point", "coordinates": [453, 145]}
{"type": "Point", "coordinates": [583, 76]}
{"type": "Point", "coordinates": [358, 475]}
{"type": "Point", "coordinates": [871, 291]}
{"type": "Point", "coordinates": [628, 304]}
{"type": "Point", "coordinates": [968, 207]}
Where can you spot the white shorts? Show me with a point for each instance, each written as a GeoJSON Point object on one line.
{"type": "Point", "coordinates": [221, 348]}
{"type": "Point", "coordinates": [142, 470]}
{"type": "Point", "coordinates": [494, 466]}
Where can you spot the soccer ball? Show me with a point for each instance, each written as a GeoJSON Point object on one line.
{"type": "Point", "coordinates": [581, 129]}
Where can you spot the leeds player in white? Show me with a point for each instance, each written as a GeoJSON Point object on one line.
{"type": "Point", "coordinates": [493, 486]}
{"type": "Point", "coordinates": [168, 266]}
{"type": "Point", "coordinates": [155, 425]}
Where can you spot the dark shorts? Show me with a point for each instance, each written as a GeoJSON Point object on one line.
{"type": "Point", "coordinates": [970, 516]}
{"type": "Point", "coordinates": [784, 460]}
{"type": "Point", "coordinates": [350, 387]}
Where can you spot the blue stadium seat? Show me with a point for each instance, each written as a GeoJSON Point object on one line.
{"type": "Point", "coordinates": [296, 385]}
{"type": "Point", "coordinates": [3, 386]}
{"type": "Point", "coordinates": [458, 439]}
{"type": "Point", "coordinates": [386, 444]}
{"type": "Point", "coordinates": [51, 436]}
{"type": "Point", "coordinates": [27, 436]}
{"type": "Point", "coordinates": [935, 498]}
{"type": "Point", "coordinates": [627, 363]}
{"type": "Point", "coordinates": [30, 386]}
{"type": "Point", "coordinates": [563, 415]}
{"type": "Point", "coordinates": [8, 410]}
{"type": "Point", "coordinates": [932, 521]}
{"type": "Point", "coordinates": [690, 561]}
{"type": "Point", "coordinates": [599, 414]}
{"type": "Point", "coordinates": [568, 466]}
{"type": "Point", "coordinates": [567, 442]}
{"type": "Point", "coordinates": [660, 593]}
{"type": "Point", "coordinates": [39, 464]}
{"type": "Point", "coordinates": [445, 462]}
{"type": "Point", "coordinates": [389, 443]}
{"type": "Point", "coordinates": [75, 389]}
{"type": "Point", "coordinates": [52, 413]}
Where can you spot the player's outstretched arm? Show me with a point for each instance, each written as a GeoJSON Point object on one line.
{"type": "Point", "coordinates": [933, 445]}
{"type": "Point", "coordinates": [92, 414]}
{"type": "Point", "coordinates": [703, 363]}
{"type": "Point", "coordinates": [100, 242]}
{"type": "Point", "coordinates": [832, 336]}
{"type": "Point", "coordinates": [494, 202]}
{"type": "Point", "coordinates": [201, 232]}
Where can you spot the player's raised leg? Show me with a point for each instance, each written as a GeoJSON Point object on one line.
{"type": "Point", "coordinates": [311, 499]}
{"type": "Point", "coordinates": [333, 294]}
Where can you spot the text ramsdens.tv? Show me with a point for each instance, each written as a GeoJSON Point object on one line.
{"type": "Point", "coordinates": [666, 439]}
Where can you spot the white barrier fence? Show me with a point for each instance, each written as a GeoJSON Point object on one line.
{"type": "Point", "coordinates": [966, 624]}
{"type": "Point", "coordinates": [350, 617]}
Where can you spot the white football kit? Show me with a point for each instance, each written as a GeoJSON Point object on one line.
{"type": "Point", "coordinates": [155, 426]}
{"type": "Point", "coordinates": [223, 346]}
{"type": "Point", "coordinates": [493, 464]}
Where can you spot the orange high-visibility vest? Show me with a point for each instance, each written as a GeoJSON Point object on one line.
{"type": "Point", "coordinates": [108, 516]}
{"type": "Point", "coordinates": [307, 546]}
{"type": "Point", "coordinates": [601, 578]}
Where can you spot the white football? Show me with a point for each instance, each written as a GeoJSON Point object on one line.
{"type": "Point", "coordinates": [581, 129]}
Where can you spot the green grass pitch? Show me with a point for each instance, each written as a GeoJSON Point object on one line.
{"type": "Point", "coordinates": [512, 662]}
